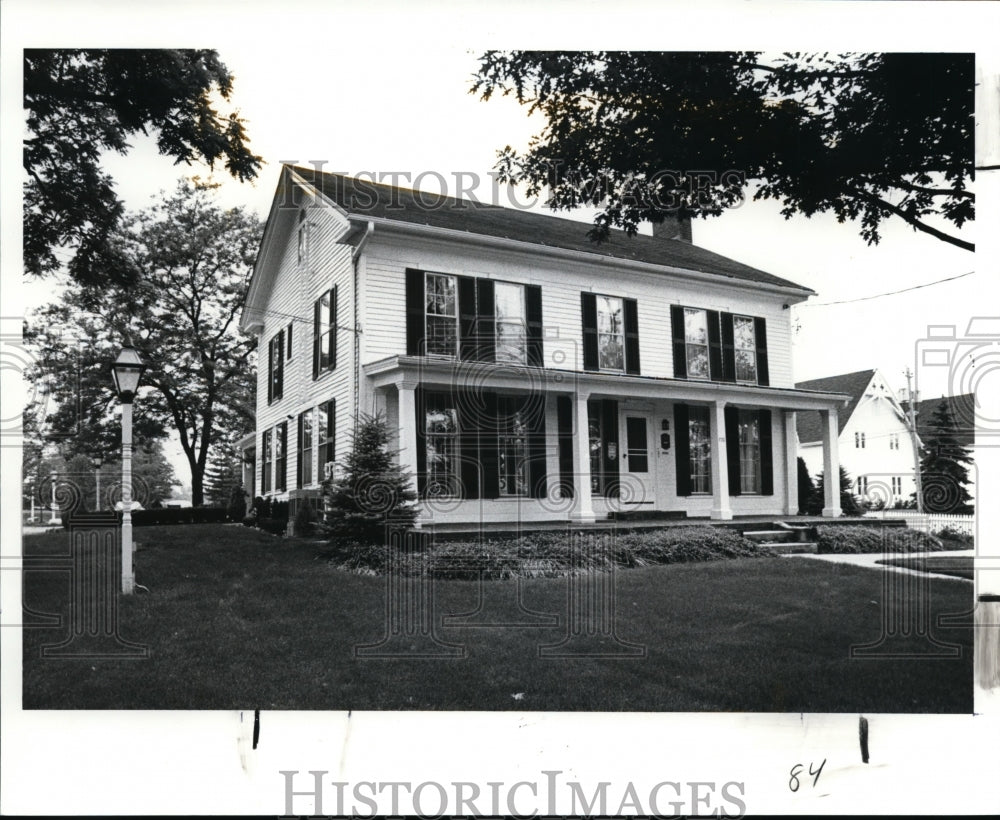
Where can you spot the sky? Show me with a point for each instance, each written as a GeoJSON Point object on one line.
{"type": "Point", "coordinates": [382, 86]}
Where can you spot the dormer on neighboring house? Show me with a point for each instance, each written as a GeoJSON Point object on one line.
{"type": "Point", "coordinates": [876, 448]}
{"type": "Point", "coordinates": [527, 373]}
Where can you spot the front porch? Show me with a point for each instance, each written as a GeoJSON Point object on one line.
{"type": "Point", "coordinates": [597, 444]}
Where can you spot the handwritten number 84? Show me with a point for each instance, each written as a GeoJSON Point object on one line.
{"type": "Point", "coordinates": [793, 781]}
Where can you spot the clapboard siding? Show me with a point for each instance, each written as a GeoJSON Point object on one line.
{"type": "Point", "coordinates": [561, 283]}
{"type": "Point", "coordinates": [327, 263]}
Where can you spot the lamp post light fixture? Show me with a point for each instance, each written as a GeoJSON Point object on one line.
{"type": "Point", "coordinates": [54, 519]}
{"type": "Point", "coordinates": [126, 372]}
{"type": "Point", "coordinates": [98, 461]}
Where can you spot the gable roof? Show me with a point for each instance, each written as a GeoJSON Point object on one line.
{"type": "Point", "coordinates": [364, 198]}
{"type": "Point", "coordinates": [810, 425]}
{"type": "Point", "coordinates": [963, 412]}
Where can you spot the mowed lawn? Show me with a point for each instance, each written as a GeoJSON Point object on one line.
{"type": "Point", "coordinates": [237, 619]}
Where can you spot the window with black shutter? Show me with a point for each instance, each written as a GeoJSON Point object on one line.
{"type": "Point", "coordinates": [275, 367]}
{"type": "Point", "coordinates": [280, 457]}
{"type": "Point", "coordinates": [693, 450]}
{"type": "Point", "coordinates": [325, 333]}
{"type": "Point", "coordinates": [719, 346]}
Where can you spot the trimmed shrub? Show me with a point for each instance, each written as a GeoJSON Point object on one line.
{"type": "Point", "coordinates": [168, 516]}
{"type": "Point", "coordinates": [866, 540]}
{"type": "Point", "coordinates": [950, 533]}
{"type": "Point", "coordinates": [305, 519]}
{"type": "Point", "coordinates": [552, 554]}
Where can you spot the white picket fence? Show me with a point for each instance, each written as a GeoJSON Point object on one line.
{"type": "Point", "coordinates": [928, 522]}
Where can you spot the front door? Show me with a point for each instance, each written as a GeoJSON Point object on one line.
{"type": "Point", "coordinates": [638, 485]}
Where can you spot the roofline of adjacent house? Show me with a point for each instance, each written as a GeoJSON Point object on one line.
{"type": "Point", "coordinates": [432, 231]}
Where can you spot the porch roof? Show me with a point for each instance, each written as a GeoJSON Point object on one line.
{"type": "Point", "coordinates": [414, 370]}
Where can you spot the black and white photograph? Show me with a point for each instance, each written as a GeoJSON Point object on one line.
{"type": "Point", "coordinates": [438, 409]}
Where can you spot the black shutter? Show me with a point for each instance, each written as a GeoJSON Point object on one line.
{"type": "Point", "coordinates": [270, 371]}
{"type": "Point", "coordinates": [733, 449]}
{"type": "Point", "coordinates": [588, 304]}
{"type": "Point", "coordinates": [280, 381]}
{"type": "Point", "coordinates": [631, 335]}
{"type": "Point", "coordinates": [766, 453]}
{"type": "Point", "coordinates": [467, 343]}
{"type": "Point", "coordinates": [714, 346]}
{"type": "Point", "coordinates": [760, 333]}
{"type": "Point", "coordinates": [288, 342]}
{"type": "Point", "coordinates": [533, 315]}
{"type": "Point", "coordinates": [612, 452]}
{"type": "Point", "coordinates": [489, 456]}
{"type": "Point", "coordinates": [682, 449]}
{"type": "Point", "coordinates": [564, 417]}
{"type": "Point", "coordinates": [414, 312]}
{"type": "Point", "coordinates": [419, 404]}
{"type": "Point", "coordinates": [680, 352]}
{"type": "Point", "coordinates": [315, 337]}
{"type": "Point", "coordinates": [728, 348]}
{"type": "Point", "coordinates": [468, 448]}
{"type": "Point", "coordinates": [333, 328]}
{"type": "Point", "coordinates": [485, 319]}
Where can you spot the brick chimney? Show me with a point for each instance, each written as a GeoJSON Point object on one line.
{"type": "Point", "coordinates": [673, 227]}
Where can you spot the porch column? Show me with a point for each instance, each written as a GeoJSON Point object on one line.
{"type": "Point", "coordinates": [721, 510]}
{"type": "Point", "coordinates": [791, 465]}
{"type": "Point", "coordinates": [583, 508]}
{"type": "Point", "coordinates": [831, 464]}
{"type": "Point", "coordinates": [407, 431]}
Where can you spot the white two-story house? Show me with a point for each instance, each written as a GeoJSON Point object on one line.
{"type": "Point", "coordinates": [527, 373]}
{"type": "Point", "coordinates": [876, 448]}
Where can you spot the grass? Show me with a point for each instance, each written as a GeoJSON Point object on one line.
{"type": "Point", "coordinates": [237, 619]}
{"type": "Point", "coordinates": [960, 566]}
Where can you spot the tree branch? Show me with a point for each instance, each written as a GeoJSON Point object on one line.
{"type": "Point", "coordinates": [912, 220]}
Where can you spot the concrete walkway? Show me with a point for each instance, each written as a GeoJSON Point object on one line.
{"type": "Point", "coordinates": [871, 561]}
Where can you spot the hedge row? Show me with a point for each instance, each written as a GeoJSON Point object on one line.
{"type": "Point", "coordinates": [861, 539]}
{"type": "Point", "coordinates": [552, 554]}
{"type": "Point", "coordinates": [165, 516]}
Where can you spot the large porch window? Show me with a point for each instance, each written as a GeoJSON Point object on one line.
{"type": "Point", "coordinates": [441, 436]}
{"type": "Point", "coordinates": [749, 443]}
{"type": "Point", "coordinates": [266, 462]}
{"type": "Point", "coordinates": [700, 450]}
{"type": "Point", "coordinates": [512, 447]}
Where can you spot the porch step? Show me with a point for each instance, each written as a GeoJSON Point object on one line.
{"type": "Point", "coordinates": [769, 535]}
{"type": "Point", "coordinates": [791, 547]}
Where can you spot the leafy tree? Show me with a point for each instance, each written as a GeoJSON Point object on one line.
{"type": "Point", "coordinates": [80, 102]}
{"type": "Point", "coordinates": [806, 486]}
{"type": "Point", "coordinates": [373, 490]}
{"type": "Point", "coordinates": [848, 503]}
{"type": "Point", "coordinates": [944, 465]}
{"type": "Point", "coordinates": [865, 136]}
{"type": "Point", "coordinates": [194, 260]}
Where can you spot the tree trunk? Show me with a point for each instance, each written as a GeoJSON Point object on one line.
{"type": "Point", "coordinates": [197, 485]}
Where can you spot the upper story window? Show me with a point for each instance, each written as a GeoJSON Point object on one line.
{"type": "Point", "coordinates": [441, 314]}
{"type": "Point", "coordinates": [325, 333]}
{"type": "Point", "coordinates": [722, 347]}
{"type": "Point", "coordinates": [473, 318]}
{"type": "Point", "coordinates": [301, 238]}
{"type": "Point", "coordinates": [275, 367]}
{"type": "Point", "coordinates": [893, 441]}
{"type": "Point", "coordinates": [610, 333]}
{"type": "Point", "coordinates": [696, 343]}
{"type": "Point", "coordinates": [745, 349]}
{"type": "Point", "coordinates": [510, 322]}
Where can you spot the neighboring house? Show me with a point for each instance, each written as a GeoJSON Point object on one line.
{"type": "Point", "coordinates": [963, 413]}
{"type": "Point", "coordinates": [875, 444]}
{"type": "Point", "coordinates": [526, 373]}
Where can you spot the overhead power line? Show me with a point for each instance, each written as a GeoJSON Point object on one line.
{"type": "Point", "coordinates": [889, 293]}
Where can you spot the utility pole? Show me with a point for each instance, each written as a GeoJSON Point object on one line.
{"type": "Point", "coordinates": [914, 441]}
